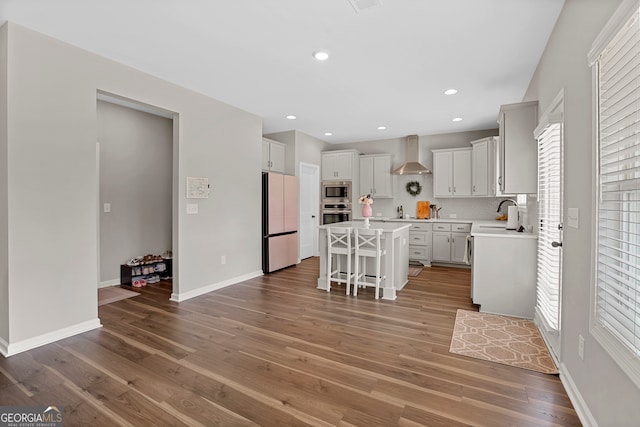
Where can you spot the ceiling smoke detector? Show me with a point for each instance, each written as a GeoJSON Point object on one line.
{"type": "Point", "coordinates": [360, 5]}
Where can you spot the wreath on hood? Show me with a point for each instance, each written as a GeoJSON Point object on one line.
{"type": "Point", "coordinates": [414, 188]}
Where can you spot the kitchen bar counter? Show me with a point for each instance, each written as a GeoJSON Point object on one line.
{"type": "Point", "coordinates": [395, 265]}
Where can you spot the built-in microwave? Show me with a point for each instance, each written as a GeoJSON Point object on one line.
{"type": "Point", "coordinates": [336, 191]}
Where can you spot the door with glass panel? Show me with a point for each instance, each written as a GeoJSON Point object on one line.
{"type": "Point", "coordinates": [549, 136]}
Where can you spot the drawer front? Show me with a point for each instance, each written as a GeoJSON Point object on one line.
{"type": "Point", "coordinates": [463, 228]}
{"type": "Point", "coordinates": [420, 226]}
{"type": "Point", "coordinates": [418, 252]}
{"type": "Point", "coordinates": [442, 226]}
{"type": "Point", "coordinates": [418, 238]}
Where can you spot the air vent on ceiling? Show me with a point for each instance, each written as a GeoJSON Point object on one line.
{"type": "Point", "coordinates": [360, 5]}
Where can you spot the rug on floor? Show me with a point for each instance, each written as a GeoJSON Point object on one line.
{"type": "Point", "coordinates": [113, 293]}
{"type": "Point", "coordinates": [415, 270]}
{"type": "Point", "coordinates": [501, 339]}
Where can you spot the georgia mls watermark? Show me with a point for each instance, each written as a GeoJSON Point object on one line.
{"type": "Point", "coordinates": [31, 416]}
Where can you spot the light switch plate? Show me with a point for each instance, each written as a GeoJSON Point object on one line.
{"type": "Point", "coordinates": [192, 208]}
{"type": "Point", "coordinates": [573, 217]}
{"type": "Point", "coordinates": [107, 207]}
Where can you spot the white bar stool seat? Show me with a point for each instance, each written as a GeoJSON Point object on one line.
{"type": "Point", "coordinates": [368, 245]}
{"type": "Point", "coordinates": [339, 245]}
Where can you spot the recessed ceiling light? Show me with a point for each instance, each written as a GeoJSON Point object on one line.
{"type": "Point", "coordinates": [328, 134]}
{"type": "Point", "coordinates": [457, 119]}
{"type": "Point", "coordinates": [382, 127]}
{"type": "Point", "coordinates": [451, 91]}
{"type": "Point", "coordinates": [321, 55]}
{"type": "Point", "coordinates": [291, 117]}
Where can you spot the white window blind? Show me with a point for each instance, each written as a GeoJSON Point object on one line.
{"type": "Point", "coordinates": [617, 304]}
{"type": "Point", "coordinates": [550, 157]}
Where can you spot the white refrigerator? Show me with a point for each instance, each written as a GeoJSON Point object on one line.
{"type": "Point", "coordinates": [279, 221]}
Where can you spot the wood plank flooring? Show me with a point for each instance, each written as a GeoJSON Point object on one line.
{"type": "Point", "coordinates": [276, 351]}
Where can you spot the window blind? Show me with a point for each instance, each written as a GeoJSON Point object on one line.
{"type": "Point", "coordinates": [618, 212]}
{"type": "Point", "coordinates": [550, 158]}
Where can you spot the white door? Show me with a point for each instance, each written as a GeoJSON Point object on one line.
{"type": "Point", "coordinates": [550, 226]}
{"type": "Point", "coordinates": [309, 196]}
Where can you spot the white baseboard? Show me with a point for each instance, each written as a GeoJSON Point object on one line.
{"type": "Point", "coordinates": [109, 283]}
{"type": "Point", "coordinates": [24, 345]}
{"type": "Point", "coordinates": [4, 347]}
{"type": "Point", "coordinates": [206, 289]}
{"type": "Point", "coordinates": [586, 418]}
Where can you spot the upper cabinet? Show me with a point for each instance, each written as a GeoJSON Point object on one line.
{"type": "Point", "coordinates": [452, 172]}
{"type": "Point", "coordinates": [517, 148]}
{"type": "Point", "coordinates": [375, 175]}
{"type": "Point", "coordinates": [338, 165]}
{"type": "Point", "coordinates": [273, 155]}
{"type": "Point", "coordinates": [483, 167]}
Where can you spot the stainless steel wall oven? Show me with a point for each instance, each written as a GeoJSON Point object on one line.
{"type": "Point", "coordinates": [335, 212]}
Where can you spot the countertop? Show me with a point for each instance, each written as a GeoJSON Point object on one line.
{"type": "Point", "coordinates": [385, 226]}
{"type": "Point", "coordinates": [479, 227]}
{"type": "Point", "coordinates": [391, 219]}
{"type": "Point", "coordinates": [498, 229]}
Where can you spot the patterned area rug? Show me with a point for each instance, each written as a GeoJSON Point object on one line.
{"type": "Point", "coordinates": [112, 294]}
{"type": "Point", "coordinates": [507, 340]}
{"type": "Point", "coordinates": [414, 270]}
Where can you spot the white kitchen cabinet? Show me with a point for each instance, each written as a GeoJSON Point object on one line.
{"type": "Point", "coordinates": [420, 238]}
{"type": "Point", "coordinates": [452, 172]}
{"type": "Point", "coordinates": [449, 242]}
{"type": "Point", "coordinates": [483, 167]}
{"type": "Point", "coordinates": [504, 274]}
{"type": "Point", "coordinates": [273, 155]}
{"type": "Point", "coordinates": [338, 165]}
{"type": "Point", "coordinates": [441, 246]}
{"type": "Point", "coordinates": [375, 175]}
{"type": "Point", "coordinates": [517, 149]}
{"type": "Point", "coordinates": [458, 246]}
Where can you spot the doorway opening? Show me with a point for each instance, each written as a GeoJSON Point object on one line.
{"type": "Point", "coordinates": [136, 212]}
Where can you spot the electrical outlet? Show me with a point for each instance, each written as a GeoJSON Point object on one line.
{"type": "Point", "coordinates": [107, 207]}
{"type": "Point", "coordinates": [453, 215]}
{"type": "Point", "coordinates": [223, 259]}
{"type": "Point", "coordinates": [580, 346]}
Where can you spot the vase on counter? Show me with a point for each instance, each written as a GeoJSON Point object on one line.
{"type": "Point", "coordinates": [367, 212]}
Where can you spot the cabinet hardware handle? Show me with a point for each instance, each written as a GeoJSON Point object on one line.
{"type": "Point", "coordinates": [474, 188]}
{"type": "Point", "coordinates": [499, 180]}
{"type": "Point", "coordinates": [556, 244]}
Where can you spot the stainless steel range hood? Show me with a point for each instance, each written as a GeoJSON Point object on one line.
{"type": "Point", "coordinates": [412, 165]}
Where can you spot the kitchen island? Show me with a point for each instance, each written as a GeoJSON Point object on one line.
{"type": "Point", "coordinates": [503, 277]}
{"type": "Point", "coordinates": [395, 264]}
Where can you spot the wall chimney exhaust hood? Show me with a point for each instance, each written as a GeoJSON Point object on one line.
{"type": "Point", "coordinates": [412, 165]}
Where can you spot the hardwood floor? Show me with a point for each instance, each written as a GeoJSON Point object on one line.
{"type": "Point", "coordinates": [276, 351]}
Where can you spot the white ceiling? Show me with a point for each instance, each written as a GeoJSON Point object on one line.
{"type": "Point", "coordinates": [389, 65]}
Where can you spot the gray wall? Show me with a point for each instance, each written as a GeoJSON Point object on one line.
{"type": "Point", "coordinates": [4, 236]}
{"type": "Point", "coordinates": [136, 158]}
{"type": "Point", "coordinates": [475, 208]}
{"type": "Point", "coordinates": [611, 397]}
{"type": "Point", "coordinates": [52, 197]}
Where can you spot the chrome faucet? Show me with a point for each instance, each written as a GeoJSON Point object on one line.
{"type": "Point", "coordinates": [506, 200]}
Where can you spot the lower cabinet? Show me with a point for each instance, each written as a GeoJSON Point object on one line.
{"type": "Point", "coordinates": [420, 243]}
{"type": "Point", "coordinates": [503, 276]}
{"type": "Point", "coordinates": [449, 242]}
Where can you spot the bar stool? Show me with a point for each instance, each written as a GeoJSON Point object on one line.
{"type": "Point", "coordinates": [368, 245]}
{"type": "Point", "coordinates": [339, 244]}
